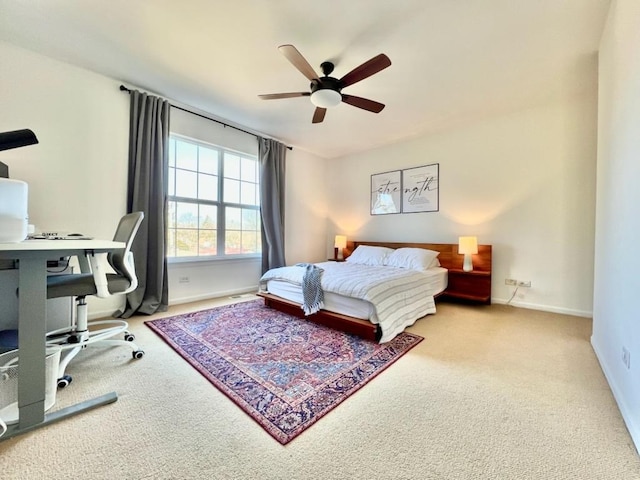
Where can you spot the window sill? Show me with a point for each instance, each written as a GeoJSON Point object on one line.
{"type": "Point", "coordinates": [211, 260]}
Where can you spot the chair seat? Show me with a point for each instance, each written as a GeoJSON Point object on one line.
{"type": "Point", "coordinates": [79, 285]}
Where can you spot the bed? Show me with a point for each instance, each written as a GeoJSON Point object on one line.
{"type": "Point", "coordinates": [375, 294]}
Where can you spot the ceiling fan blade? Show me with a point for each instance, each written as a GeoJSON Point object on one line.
{"type": "Point", "coordinates": [318, 115]}
{"type": "Point", "coordinates": [363, 103]}
{"type": "Point", "coordinates": [275, 96]}
{"type": "Point", "coordinates": [377, 63]}
{"type": "Point", "coordinates": [298, 61]}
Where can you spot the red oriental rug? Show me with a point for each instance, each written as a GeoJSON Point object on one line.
{"type": "Point", "coordinates": [286, 373]}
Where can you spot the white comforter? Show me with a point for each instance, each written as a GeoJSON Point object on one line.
{"type": "Point", "coordinates": [399, 296]}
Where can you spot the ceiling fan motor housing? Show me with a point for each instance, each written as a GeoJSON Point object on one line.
{"type": "Point", "coordinates": [326, 83]}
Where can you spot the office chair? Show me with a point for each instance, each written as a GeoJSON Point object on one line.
{"type": "Point", "coordinates": [83, 333]}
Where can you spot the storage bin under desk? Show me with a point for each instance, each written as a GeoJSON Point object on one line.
{"type": "Point", "coordinates": [60, 311]}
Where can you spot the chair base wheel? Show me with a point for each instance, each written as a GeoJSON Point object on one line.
{"type": "Point", "coordinates": [129, 337]}
{"type": "Point", "coordinates": [64, 381]}
{"type": "Point", "coordinates": [138, 354]}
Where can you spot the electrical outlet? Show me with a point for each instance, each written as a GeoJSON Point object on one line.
{"type": "Point", "coordinates": [183, 280]}
{"type": "Point", "coordinates": [510, 281]}
{"type": "Point", "coordinates": [526, 283]}
{"type": "Point", "coordinates": [626, 358]}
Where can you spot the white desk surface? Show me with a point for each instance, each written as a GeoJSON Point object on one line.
{"type": "Point", "coordinates": [57, 245]}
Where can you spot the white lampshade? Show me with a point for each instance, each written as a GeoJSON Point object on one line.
{"type": "Point", "coordinates": [340, 241]}
{"type": "Point", "coordinates": [467, 246]}
{"type": "Point", "coordinates": [326, 98]}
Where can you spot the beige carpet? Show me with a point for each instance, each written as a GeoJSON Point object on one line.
{"type": "Point", "coordinates": [492, 393]}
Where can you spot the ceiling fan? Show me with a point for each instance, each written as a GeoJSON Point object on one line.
{"type": "Point", "coordinates": [326, 91]}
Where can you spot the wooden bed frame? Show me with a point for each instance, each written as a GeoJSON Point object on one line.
{"type": "Point", "coordinates": [449, 258]}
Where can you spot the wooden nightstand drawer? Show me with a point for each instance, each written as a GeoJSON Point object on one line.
{"type": "Point", "coordinates": [473, 286]}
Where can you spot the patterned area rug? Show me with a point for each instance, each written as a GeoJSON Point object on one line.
{"type": "Point", "coordinates": [286, 373]}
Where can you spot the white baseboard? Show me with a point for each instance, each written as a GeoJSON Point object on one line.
{"type": "Point", "coordinates": [107, 312]}
{"type": "Point", "coordinates": [544, 308]}
{"type": "Point", "coordinates": [212, 295]}
{"type": "Point", "coordinates": [625, 410]}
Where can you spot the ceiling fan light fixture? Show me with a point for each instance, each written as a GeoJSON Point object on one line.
{"type": "Point", "coordinates": [326, 98]}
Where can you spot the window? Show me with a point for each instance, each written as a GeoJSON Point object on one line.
{"type": "Point", "coordinates": [214, 201]}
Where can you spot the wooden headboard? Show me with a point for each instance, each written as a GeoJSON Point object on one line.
{"type": "Point", "coordinates": [449, 256]}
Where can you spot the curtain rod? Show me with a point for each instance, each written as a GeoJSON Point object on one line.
{"type": "Point", "coordinates": [125, 89]}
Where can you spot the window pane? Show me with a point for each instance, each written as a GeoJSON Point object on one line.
{"type": "Point", "coordinates": [171, 214]}
{"type": "Point", "coordinates": [232, 245]}
{"type": "Point", "coordinates": [249, 170]}
{"type": "Point", "coordinates": [208, 242]}
{"type": "Point", "coordinates": [186, 155]}
{"type": "Point", "coordinates": [186, 184]}
{"type": "Point", "coordinates": [231, 166]}
{"type": "Point", "coordinates": [171, 242]}
{"type": "Point", "coordinates": [208, 161]}
{"type": "Point", "coordinates": [208, 217]}
{"type": "Point", "coordinates": [172, 152]}
{"type": "Point", "coordinates": [248, 193]}
{"type": "Point", "coordinates": [207, 187]}
{"type": "Point", "coordinates": [187, 215]}
{"type": "Point", "coordinates": [249, 242]}
{"type": "Point", "coordinates": [249, 219]}
{"type": "Point", "coordinates": [186, 242]}
{"type": "Point", "coordinates": [233, 218]}
{"type": "Point", "coordinates": [171, 181]}
{"type": "Point", "coordinates": [231, 191]}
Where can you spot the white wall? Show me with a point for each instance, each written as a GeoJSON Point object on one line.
{"type": "Point", "coordinates": [616, 316]}
{"type": "Point", "coordinates": [77, 174]}
{"type": "Point", "coordinates": [523, 182]}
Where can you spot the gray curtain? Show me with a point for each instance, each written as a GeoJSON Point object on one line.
{"type": "Point", "coordinates": [272, 182]}
{"type": "Point", "coordinates": [147, 192]}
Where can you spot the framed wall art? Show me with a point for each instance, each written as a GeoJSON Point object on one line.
{"type": "Point", "coordinates": [420, 192]}
{"type": "Point", "coordinates": [386, 193]}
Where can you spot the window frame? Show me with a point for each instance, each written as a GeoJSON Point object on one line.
{"type": "Point", "coordinates": [220, 204]}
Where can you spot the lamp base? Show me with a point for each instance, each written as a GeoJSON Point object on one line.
{"type": "Point", "coordinates": [467, 265]}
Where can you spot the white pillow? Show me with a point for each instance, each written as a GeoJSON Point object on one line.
{"type": "Point", "coordinates": [413, 258]}
{"type": "Point", "coordinates": [369, 255]}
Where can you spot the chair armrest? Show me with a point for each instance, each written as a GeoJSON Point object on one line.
{"type": "Point", "coordinates": [99, 276]}
{"type": "Point", "coordinates": [131, 270]}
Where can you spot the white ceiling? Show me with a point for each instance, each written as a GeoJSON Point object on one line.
{"type": "Point", "coordinates": [452, 60]}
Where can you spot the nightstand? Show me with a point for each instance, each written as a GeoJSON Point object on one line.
{"type": "Point", "coordinates": [473, 286]}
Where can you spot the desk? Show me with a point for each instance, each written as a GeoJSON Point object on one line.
{"type": "Point", "coordinates": [32, 256]}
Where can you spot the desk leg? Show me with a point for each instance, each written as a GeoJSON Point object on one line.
{"type": "Point", "coordinates": [32, 331]}
{"type": "Point", "coordinates": [58, 415]}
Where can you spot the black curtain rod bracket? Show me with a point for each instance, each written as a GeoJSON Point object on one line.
{"type": "Point", "coordinates": [125, 89]}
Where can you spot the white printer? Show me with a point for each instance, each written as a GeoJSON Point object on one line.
{"type": "Point", "coordinates": [14, 194]}
{"type": "Point", "coordinates": [13, 210]}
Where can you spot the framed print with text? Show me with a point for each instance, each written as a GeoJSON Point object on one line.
{"type": "Point", "coordinates": [420, 192]}
{"type": "Point", "coordinates": [386, 192]}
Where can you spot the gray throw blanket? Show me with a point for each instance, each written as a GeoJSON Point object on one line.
{"type": "Point", "coordinates": [311, 290]}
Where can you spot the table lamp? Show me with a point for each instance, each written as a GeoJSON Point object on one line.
{"type": "Point", "coordinates": [467, 246]}
{"type": "Point", "coordinates": [15, 139]}
{"type": "Point", "coordinates": [339, 243]}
